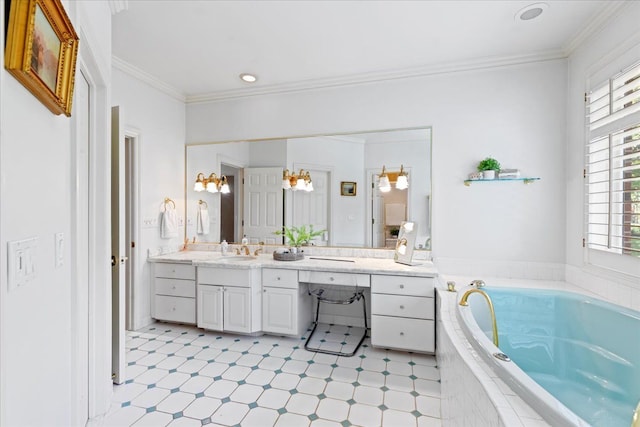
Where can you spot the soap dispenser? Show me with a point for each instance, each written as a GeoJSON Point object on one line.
{"type": "Point", "coordinates": [224, 247]}
{"type": "Point", "coordinates": [245, 241]}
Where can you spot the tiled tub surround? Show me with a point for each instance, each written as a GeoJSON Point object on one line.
{"type": "Point", "coordinates": [463, 367]}
{"type": "Point", "coordinates": [184, 376]}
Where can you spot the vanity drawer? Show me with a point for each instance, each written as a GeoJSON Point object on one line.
{"type": "Point", "coordinates": [224, 276]}
{"type": "Point", "coordinates": [175, 271]}
{"type": "Point", "coordinates": [280, 278]}
{"type": "Point", "coordinates": [176, 287]}
{"type": "Point", "coordinates": [404, 334]}
{"type": "Point", "coordinates": [333, 278]}
{"type": "Point", "coordinates": [402, 285]}
{"type": "Point", "coordinates": [175, 309]}
{"type": "Point", "coordinates": [402, 306]}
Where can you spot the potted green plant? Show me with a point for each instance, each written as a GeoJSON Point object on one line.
{"type": "Point", "coordinates": [489, 167]}
{"type": "Point", "coordinates": [394, 231]}
{"type": "Point", "coordinates": [299, 236]}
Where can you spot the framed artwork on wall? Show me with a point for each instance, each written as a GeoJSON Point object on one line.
{"type": "Point", "coordinates": [41, 50]}
{"type": "Point", "coordinates": [348, 188]}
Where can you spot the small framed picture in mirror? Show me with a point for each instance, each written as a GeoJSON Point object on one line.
{"type": "Point", "coordinates": [348, 188]}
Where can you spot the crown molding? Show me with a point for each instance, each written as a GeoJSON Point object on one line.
{"type": "Point", "coordinates": [608, 12]}
{"type": "Point", "coordinates": [147, 78]}
{"type": "Point", "coordinates": [373, 77]}
{"type": "Point", "coordinates": [117, 6]}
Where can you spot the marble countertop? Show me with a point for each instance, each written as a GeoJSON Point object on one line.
{"type": "Point", "coordinates": [313, 263]}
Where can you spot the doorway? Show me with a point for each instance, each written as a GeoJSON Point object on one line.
{"type": "Point", "coordinates": [231, 204]}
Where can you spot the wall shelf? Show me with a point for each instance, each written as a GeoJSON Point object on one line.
{"type": "Point", "coordinates": [525, 180]}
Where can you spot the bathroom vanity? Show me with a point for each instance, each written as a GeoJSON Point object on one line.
{"type": "Point", "coordinates": [256, 295]}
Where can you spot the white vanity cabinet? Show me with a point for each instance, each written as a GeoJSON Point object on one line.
{"type": "Point", "coordinates": [174, 293]}
{"type": "Point", "coordinates": [229, 299]}
{"type": "Point", "coordinates": [286, 306]}
{"type": "Point", "coordinates": [403, 312]}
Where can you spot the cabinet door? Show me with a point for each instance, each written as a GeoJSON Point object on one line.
{"type": "Point", "coordinates": [280, 310]}
{"type": "Point", "coordinates": [237, 309]}
{"type": "Point", "coordinates": [210, 307]}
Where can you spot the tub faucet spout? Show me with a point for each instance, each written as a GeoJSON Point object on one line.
{"type": "Point", "coordinates": [477, 283]}
{"type": "Point", "coordinates": [494, 324]}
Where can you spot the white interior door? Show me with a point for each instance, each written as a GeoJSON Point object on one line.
{"type": "Point", "coordinates": [263, 204]}
{"type": "Point", "coordinates": [313, 208]}
{"type": "Point", "coordinates": [118, 248]}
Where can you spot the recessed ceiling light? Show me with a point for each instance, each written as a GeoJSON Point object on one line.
{"type": "Point", "coordinates": [249, 78]}
{"type": "Point", "coordinates": [531, 12]}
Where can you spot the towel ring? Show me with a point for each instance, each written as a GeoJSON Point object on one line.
{"type": "Point", "coordinates": [202, 202]}
{"type": "Point", "coordinates": [168, 200]}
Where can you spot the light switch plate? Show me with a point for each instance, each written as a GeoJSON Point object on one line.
{"type": "Point", "coordinates": [21, 262]}
{"type": "Point", "coordinates": [59, 249]}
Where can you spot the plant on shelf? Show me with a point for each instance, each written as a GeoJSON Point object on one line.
{"type": "Point", "coordinates": [489, 166]}
{"type": "Point", "coordinates": [299, 236]}
{"type": "Point", "coordinates": [394, 231]}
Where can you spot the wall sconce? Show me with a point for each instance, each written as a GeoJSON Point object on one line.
{"type": "Point", "coordinates": [212, 184]}
{"type": "Point", "coordinates": [301, 181]}
{"type": "Point", "coordinates": [401, 180]}
{"type": "Point", "coordinates": [402, 183]}
{"type": "Point", "coordinates": [384, 184]}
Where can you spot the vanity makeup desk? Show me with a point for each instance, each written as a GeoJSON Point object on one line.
{"type": "Point", "coordinates": [257, 294]}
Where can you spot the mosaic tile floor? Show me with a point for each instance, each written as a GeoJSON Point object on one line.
{"type": "Point", "coordinates": [183, 376]}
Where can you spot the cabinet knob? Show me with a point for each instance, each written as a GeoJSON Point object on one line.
{"type": "Point", "coordinates": [174, 287]}
{"type": "Point", "coordinates": [402, 307]}
{"type": "Point", "coordinates": [278, 278]}
{"type": "Point", "coordinates": [173, 309]}
{"type": "Point", "coordinates": [401, 286]}
{"type": "Point", "coordinates": [332, 279]}
{"type": "Point", "coordinates": [264, 290]}
{"type": "Point", "coordinates": [401, 333]}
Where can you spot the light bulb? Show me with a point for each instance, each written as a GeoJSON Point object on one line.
{"type": "Point", "coordinates": [286, 184]}
{"type": "Point", "coordinates": [402, 183]}
{"type": "Point", "coordinates": [225, 189]}
{"type": "Point", "coordinates": [212, 187]}
{"type": "Point", "coordinates": [384, 185]}
{"type": "Point", "coordinates": [199, 186]}
{"type": "Point", "coordinates": [300, 184]}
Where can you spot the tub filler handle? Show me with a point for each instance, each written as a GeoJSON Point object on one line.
{"type": "Point", "coordinates": [464, 303]}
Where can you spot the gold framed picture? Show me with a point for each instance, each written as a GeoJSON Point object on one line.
{"type": "Point", "coordinates": [348, 188]}
{"type": "Point", "coordinates": [41, 50]}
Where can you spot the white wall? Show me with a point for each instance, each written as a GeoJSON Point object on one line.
{"type": "Point", "coordinates": [159, 122]}
{"type": "Point", "coordinates": [514, 113]}
{"type": "Point", "coordinates": [614, 48]}
{"type": "Point", "coordinates": [37, 326]}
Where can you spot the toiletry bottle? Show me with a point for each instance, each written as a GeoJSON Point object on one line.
{"type": "Point", "coordinates": [245, 241]}
{"type": "Point", "coordinates": [224, 247]}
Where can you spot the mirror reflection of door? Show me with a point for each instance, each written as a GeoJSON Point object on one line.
{"type": "Point", "coordinates": [263, 204]}
{"type": "Point", "coordinates": [229, 204]}
{"type": "Point", "coordinates": [312, 208]}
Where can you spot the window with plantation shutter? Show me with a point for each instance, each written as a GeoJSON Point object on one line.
{"type": "Point", "coordinates": [612, 173]}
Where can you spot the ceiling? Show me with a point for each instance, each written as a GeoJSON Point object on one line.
{"type": "Point", "coordinates": [196, 50]}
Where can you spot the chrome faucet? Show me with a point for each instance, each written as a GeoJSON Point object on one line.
{"type": "Point", "coordinates": [477, 283]}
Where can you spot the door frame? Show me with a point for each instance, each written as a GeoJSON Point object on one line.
{"type": "Point", "coordinates": [97, 357]}
{"type": "Point", "coordinates": [133, 181]}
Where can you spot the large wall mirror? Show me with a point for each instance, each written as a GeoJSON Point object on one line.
{"type": "Point", "coordinates": [346, 201]}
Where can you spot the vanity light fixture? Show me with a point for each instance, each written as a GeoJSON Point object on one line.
{"type": "Point", "coordinates": [384, 184]}
{"type": "Point", "coordinates": [401, 180]}
{"type": "Point", "coordinates": [212, 184]}
{"type": "Point", "coordinates": [249, 78]}
{"type": "Point", "coordinates": [402, 183]}
{"type": "Point", "coordinates": [301, 181]}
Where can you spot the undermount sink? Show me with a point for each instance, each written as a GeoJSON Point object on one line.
{"type": "Point", "coordinates": [235, 258]}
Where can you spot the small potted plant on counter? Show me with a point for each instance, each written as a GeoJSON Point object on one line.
{"type": "Point", "coordinates": [489, 167]}
{"type": "Point", "coordinates": [299, 236]}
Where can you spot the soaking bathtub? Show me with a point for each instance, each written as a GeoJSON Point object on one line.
{"type": "Point", "coordinates": [574, 359]}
